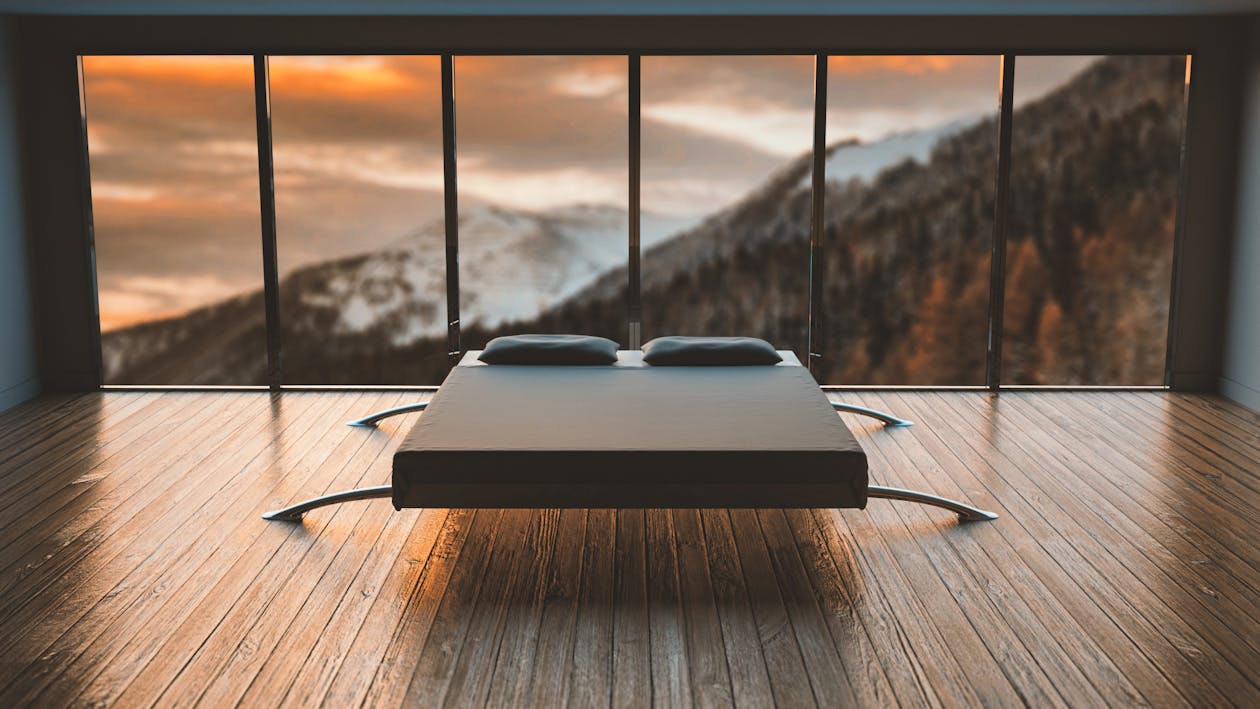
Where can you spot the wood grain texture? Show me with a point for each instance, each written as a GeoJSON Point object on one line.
{"type": "Point", "coordinates": [136, 570]}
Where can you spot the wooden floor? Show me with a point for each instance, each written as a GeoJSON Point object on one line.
{"type": "Point", "coordinates": [1125, 568]}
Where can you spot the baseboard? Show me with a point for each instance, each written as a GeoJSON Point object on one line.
{"type": "Point", "coordinates": [16, 394]}
{"type": "Point", "coordinates": [1241, 393]}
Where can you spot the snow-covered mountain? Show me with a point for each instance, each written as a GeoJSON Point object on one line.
{"type": "Point", "coordinates": [514, 264]}
{"type": "Point", "coordinates": [853, 159]}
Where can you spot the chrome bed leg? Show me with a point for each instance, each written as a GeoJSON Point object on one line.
{"type": "Point", "coordinates": [966, 512]}
{"type": "Point", "coordinates": [295, 512]}
{"type": "Point", "coordinates": [888, 419]}
{"type": "Point", "coordinates": [372, 419]}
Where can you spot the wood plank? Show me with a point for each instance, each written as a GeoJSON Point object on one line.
{"type": "Point", "coordinates": [842, 609]}
{"type": "Point", "coordinates": [66, 440]}
{"type": "Point", "coordinates": [750, 679]}
{"type": "Point", "coordinates": [1161, 530]}
{"type": "Point", "coordinates": [667, 629]}
{"type": "Point", "coordinates": [1105, 579]}
{"type": "Point", "coordinates": [509, 582]}
{"type": "Point", "coordinates": [833, 682]}
{"type": "Point", "coordinates": [93, 641]}
{"type": "Point", "coordinates": [424, 656]}
{"type": "Point", "coordinates": [785, 665]}
{"type": "Point", "coordinates": [1176, 464]}
{"type": "Point", "coordinates": [710, 677]}
{"type": "Point", "coordinates": [1171, 478]}
{"type": "Point", "coordinates": [1216, 427]}
{"type": "Point", "coordinates": [591, 666]}
{"type": "Point", "coordinates": [1150, 560]}
{"type": "Point", "coordinates": [268, 646]}
{"type": "Point", "coordinates": [204, 578]}
{"type": "Point", "coordinates": [631, 666]}
{"type": "Point", "coordinates": [86, 550]}
{"type": "Point", "coordinates": [289, 669]}
{"type": "Point", "coordinates": [50, 496]}
{"type": "Point", "coordinates": [994, 602]}
{"type": "Point", "coordinates": [1121, 571]}
{"type": "Point", "coordinates": [544, 672]}
{"type": "Point", "coordinates": [33, 413]}
{"type": "Point", "coordinates": [395, 630]}
{"type": "Point", "coordinates": [1015, 555]}
{"type": "Point", "coordinates": [299, 556]}
{"type": "Point", "coordinates": [80, 417]}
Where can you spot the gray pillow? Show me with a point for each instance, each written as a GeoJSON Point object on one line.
{"type": "Point", "coordinates": [549, 349]}
{"type": "Point", "coordinates": [709, 352]}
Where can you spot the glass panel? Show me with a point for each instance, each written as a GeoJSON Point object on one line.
{"type": "Point", "coordinates": [174, 169]}
{"type": "Point", "coordinates": [1094, 170]}
{"type": "Point", "coordinates": [361, 238]}
{"type": "Point", "coordinates": [543, 169]}
{"type": "Point", "coordinates": [911, 162]}
{"type": "Point", "coordinates": [726, 196]}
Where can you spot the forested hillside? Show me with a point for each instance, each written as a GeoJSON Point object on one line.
{"type": "Point", "coordinates": [906, 265]}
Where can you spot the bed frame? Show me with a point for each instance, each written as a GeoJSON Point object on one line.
{"type": "Point", "coordinates": [965, 512]}
{"type": "Point", "coordinates": [371, 420]}
{"type": "Point", "coordinates": [830, 435]}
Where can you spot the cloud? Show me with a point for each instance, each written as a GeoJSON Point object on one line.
{"type": "Point", "coordinates": [749, 83]}
{"type": "Point", "coordinates": [140, 298]}
{"type": "Point", "coordinates": [1034, 76]}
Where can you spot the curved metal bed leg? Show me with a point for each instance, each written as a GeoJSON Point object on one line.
{"type": "Point", "coordinates": [966, 512]}
{"type": "Point", "coordinates": [294, 513]}
{"type": "Point", "coordinates": [372, 419]}
{"type": "Point", "coordinates": [888, 419]}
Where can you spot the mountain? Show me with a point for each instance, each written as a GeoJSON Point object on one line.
{"type": "Point", "coordinates": [905, 267]}
{"type": "Point", "coordinates": [391, 298]}
{"type": "Point", "coordinates": [853, 159]}
{"type": "Point", "coordinates": [905, 261]}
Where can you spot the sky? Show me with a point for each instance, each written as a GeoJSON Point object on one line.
{"type": "Point", "coordinates": [357, 146]}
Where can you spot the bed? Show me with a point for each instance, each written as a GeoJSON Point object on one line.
{"type": "Point", "coordinates": [628, 435]}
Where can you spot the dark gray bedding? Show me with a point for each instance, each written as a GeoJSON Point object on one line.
{"type": "Point", "coordinates": [629, 435]}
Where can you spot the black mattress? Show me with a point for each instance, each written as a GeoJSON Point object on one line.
{"type": "Point", "coordinates": [629, 435]}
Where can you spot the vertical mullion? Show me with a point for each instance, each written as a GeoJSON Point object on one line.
{"type": "Point", "coordinates": [634, 295]}
{"type": "Point", "coordinates": [267, 210]}
{"type": "Point", "coordinates": [1001, 207]}
{"type": "Point", "coordinates": [1179, 229]}
{"type": "Point", "coordinates": [89, 220]}
{"type": "Point", "coordinates": [451, 209]}
{"type": "Point", "coordinates": [818, 187]}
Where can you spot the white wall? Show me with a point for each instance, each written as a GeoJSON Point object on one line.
{"type": "Point", "coordinates": [1240, 379]}
{"type": "Point", "coordinates": [17, 352]}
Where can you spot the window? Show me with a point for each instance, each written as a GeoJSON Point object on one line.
{"type": "Point", "coordinates": [911, 159]}
{"type": "Point", "coordinates": [725, 153]}
{"type": "Point", "coordinates": [174, 170]}
{"type": "Point", "coordinates": [542, 145]}
{"type": "Point", "coordinates": [726, 196]}
{"type": "Point", "coordinates": [1094, 172]}
{"type": "Point", "coordinates": [357, 144]}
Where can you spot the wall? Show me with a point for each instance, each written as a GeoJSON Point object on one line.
{"type": "Point", "coordinates": [1240, 378]}
{"type": "Point", "coordinates": [18, 380]}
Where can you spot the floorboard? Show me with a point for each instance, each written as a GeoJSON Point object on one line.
{"type": "Point", "coordinates": [135, 569]}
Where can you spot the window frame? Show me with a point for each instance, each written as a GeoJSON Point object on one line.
{"type": "Point", "coordinates": [633, 322]}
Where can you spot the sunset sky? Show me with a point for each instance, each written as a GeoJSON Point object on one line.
{"type": "Point", "coordinates": [357, 144]}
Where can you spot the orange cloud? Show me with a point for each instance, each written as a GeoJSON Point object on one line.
{"type": "Point", "coordinates": [911, 65]}
{"type": "Point", "coordinates": [358, 77]}
{"type": "Point", "coordinates": [216, 71]}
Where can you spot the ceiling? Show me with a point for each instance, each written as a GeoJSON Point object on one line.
{"type": "Point", "coordinates": [630, 7]}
